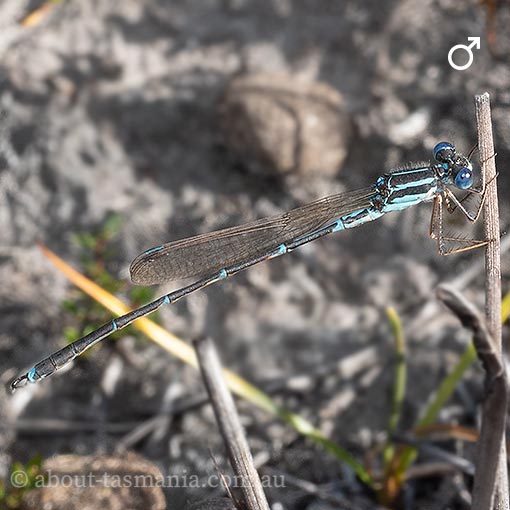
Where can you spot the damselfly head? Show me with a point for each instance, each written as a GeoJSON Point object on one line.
{"type": "Point", "coordinates": [456, 169]}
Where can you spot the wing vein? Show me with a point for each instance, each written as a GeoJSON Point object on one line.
{"type": "Point", "coordinates": [207, 253]}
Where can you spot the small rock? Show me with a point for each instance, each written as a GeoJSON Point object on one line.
{"type": "Point", "coordinates": [92, 482]}
{"type": "Point", "coordinates": [279, 124]}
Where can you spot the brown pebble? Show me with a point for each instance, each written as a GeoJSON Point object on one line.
{"type": "Point", "coordinates": [279, 124]}
{"type": "Point", "coordinates": [100, 481]}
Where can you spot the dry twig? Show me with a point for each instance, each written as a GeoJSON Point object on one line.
{"type": "Point", "coordinates": [492, 286]}
{"type": "Point", "coordinates": [230, 425]}
{"type": "Point", "coordinates": [494, 406]}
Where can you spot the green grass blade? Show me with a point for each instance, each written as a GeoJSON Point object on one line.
{"type": "Point", "coordinates": [399, 381]}
{"type": "Point", "coordinates": [446, 389]}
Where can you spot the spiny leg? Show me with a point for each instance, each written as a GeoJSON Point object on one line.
{"type": "Point", "coordinates": [437, 232]}
{"type": "Point", "coordinates": [435, 227]}
{"type": "Point", "coordinates": [479, 191]}
{"type": "Point", "coordinates": [452, 203]}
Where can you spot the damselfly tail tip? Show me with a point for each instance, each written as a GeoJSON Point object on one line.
{"type": "Point", "coordinates": [19, 382]}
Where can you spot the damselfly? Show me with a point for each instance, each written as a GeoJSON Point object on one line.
{"type": "Point", "coordinates": [225, 252]}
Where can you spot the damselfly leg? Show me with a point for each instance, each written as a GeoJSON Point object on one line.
{"type": "Point", "coordinates": [453, 202]}
{"type": "Point", "coordinates": [449, 244]}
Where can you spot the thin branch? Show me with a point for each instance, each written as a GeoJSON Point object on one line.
{"type": "Point", "coordinates": [230, 425]}
{"type": "Point", "coordinates": [495, 401]}
{"type": "Point", "coordinates": [492, 281]}
{"type": "Point", "coordinates": [491, 221]}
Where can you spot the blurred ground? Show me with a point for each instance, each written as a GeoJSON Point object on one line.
{"type": "Point", "coordinates": [112, 107]}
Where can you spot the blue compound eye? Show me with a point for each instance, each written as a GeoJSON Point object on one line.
{"type": "Point", "coordinates": [444, 152]}
{"type": "Point", "coordinates": [464, 178]}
